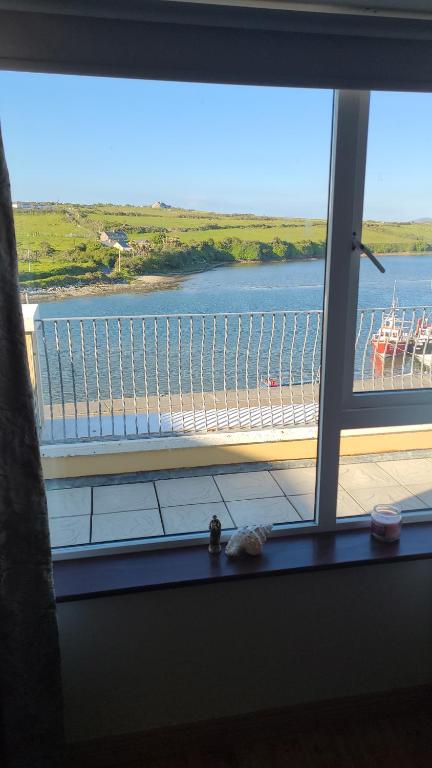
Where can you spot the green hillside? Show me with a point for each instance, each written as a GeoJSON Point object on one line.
{"type": "Point", "coordinates": [61, 246]}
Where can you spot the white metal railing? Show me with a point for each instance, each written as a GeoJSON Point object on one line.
{"type": "Point", "coordinates": [179, 374]}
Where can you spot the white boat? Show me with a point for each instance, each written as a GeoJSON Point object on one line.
{"type": "Point", "coordinates": [423, 343]}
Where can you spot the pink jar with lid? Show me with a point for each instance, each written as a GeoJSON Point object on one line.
{"type": "Point", "coordinates": [386, 523]}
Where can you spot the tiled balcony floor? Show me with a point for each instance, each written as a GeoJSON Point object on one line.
{"type": "Point", "coordinates": [105, 509]}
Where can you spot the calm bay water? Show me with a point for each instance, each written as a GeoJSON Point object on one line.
{"type": "Point", "coordinates": [263, 287]}
{"type": "Point", "coordinates": [116, 359]}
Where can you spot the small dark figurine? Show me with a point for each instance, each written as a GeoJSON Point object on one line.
{"type": "Point", "coordinates": [215, 534]}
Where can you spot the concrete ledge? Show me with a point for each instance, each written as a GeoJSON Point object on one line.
{"type": "Point", "coordinates": [123, 456]}
{"type": "Point", "coordinates": [177, 443]}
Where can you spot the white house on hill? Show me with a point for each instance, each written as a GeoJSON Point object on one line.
{"type": "Point", "coordinates": [22, 205]}
{"type": "Point", "coordinates": [115, 239]}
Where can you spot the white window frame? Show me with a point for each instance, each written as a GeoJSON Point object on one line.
{"type": "Point", "coordinates": [341, 407]}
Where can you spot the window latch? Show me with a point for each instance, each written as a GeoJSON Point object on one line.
{"type": "Point", "coordinates": [357, 245]}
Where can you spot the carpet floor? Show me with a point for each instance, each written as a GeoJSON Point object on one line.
{"type": "Point", "coordinates": [403, 742]}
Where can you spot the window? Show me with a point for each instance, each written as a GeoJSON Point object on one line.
{"type": "Point", "coordinates": [245, 356]}
{"type": "Point", "coordinates": [365, 407]}
{"type": "Point", "coordinates": [394, 310]}
{"type": "Point", "coordinates": [208, 353]}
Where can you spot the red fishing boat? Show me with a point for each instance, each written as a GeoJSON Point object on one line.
{"type": "Point", "coordinates": [393, 337]}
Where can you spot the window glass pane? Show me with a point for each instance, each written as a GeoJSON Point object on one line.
{"type": "Point", "coordinates": [394, 320]}
{"type": "Point", "coordinates": [390, 465]}
{"type": "Point", "coordinates": [127, 196]}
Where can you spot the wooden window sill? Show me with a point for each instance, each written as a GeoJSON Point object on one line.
{"type": "Point", "coordinates": [159, 569]}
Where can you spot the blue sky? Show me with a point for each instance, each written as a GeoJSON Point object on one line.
{"type": "Point", "coordinates": [211, 147]}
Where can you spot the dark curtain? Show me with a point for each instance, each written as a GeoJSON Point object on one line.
{"type": "Point", "coordinates": [30, 683]}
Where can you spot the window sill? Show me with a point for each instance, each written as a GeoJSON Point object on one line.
{"type": "Point", "coordinates": [159, 569]}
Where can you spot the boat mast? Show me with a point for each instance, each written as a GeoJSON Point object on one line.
{"type": "Point", "coordinates": [394, 299]}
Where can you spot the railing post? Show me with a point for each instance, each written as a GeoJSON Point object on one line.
{"type": "Point", "coordinates": [31, 315]}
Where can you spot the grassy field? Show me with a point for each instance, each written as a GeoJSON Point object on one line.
{"type": "Point", "coordinates": [60, 246]}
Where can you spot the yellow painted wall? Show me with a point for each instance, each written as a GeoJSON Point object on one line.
{"type": "Point", "coordinates": [30, 358]}
{"type": "Point", "coordinates": [359, 445]}
{"type": "Point", "coordinates": [205, 456]}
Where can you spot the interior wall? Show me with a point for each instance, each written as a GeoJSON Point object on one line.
{"type": "Point", "coordinates": [145, 660]}
{"type": "Point", "coordinates": [223, 44]}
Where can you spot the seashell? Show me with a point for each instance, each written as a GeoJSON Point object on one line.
{"type": "Point", "coordinates": [248, 540]}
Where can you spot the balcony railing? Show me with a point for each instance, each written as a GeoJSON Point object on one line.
{"type": "Point", "coordinates": [111, 377]}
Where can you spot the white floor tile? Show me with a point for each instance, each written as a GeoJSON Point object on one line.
{"type": "Point", "coordinates": [67, 502]}
{"type": "Point", "coordinates": [247, 485]}
{"type": "Point", "coordinates": [304, 504]}
{"type": "Point", "coordinates": [187, 490]}
{"type": "Point", "coordinates": [396, 495]}
{"type": "Point", "coordinates": [423, 491]}
{"type": "Point", "coordinates": [135, 524]}
{"type": "Point", "coordinates": [295, 481]}
{"type": "Point", "coordinates": [347, 506]}
{"type": "Point", "coordinates": [194, 517]}
{"type": "Point", "coordinates": [274, 510]}
{"type": "Point", "coordinates": [363, 475]}
{"type": "Point", "coordinates": [123, 498]}
{"type": "Point", "coordinates": [67, 531]}
{"type": "Point", "coordinates": [408, 470]}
